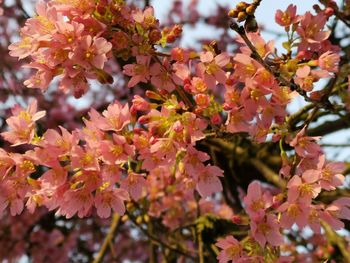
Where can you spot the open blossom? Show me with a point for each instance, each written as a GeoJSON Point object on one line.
{"type": "Point", "coordinates": [161, 76]}
{"type": "Point", "coordinates": [117, 151]}
{"type": "Point", "coordinates": [305, 187]}
{"type": "Point", "coordinates": [76, 201]}
{"type": "Point", "coordinates": [294, 213]}
{"type": "Point", "coordinates": [329, 61]}
{"type": "Point", "coordinates": [342, 206]}
{"type": "Point", "coordinates": [231, 249]}
{"type": "Point", "coordinates": [310, 29]}
{"type": "Point", "coordinates": [264, 49]}
{"type": "Point", "coordinates": [139, 72]}
{"type": "Point", "coordinates": [267, 230]}
{"type": "Point", "coordinates": [110, 199]}
{"type": "Point", "coordinates": [91, 52]}
{"type": "Point", "coordinates": [210, 68]}
{"type": "Point", "coordinates": [330, 173]}
{"type": "Point", "coordinates": [42, 77]}
{"type": "Point", "coordinates": [288, 17]}
{"type": "Point", "coordinates": [115, 118]}
{"type": "Point", "coordinates": [256, 201]}
{"type": "Point", "coordinates": [135, 184]}
{"type": "Point", "coordinates": [305, 77]}
{"type": "Point", "coordinates": [22, 124]}
{"type": "Point", "coordinates": [306, 146]}
{"type": "Point", "coordinates": [208, 180]}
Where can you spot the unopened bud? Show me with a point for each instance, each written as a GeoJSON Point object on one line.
{"type": "Point", "coordinates": [329, 11]}
{"type": "Point", "coordinates": [139, 220]}
{"type": "Point", "coordinates": [146, 218]}
{"type": "Point", "coordinates": [233, 13]}
{"type": "Point", "coordinates": [216, 119]}
{"type": "Point", "coordinates": [241, 6]}
{"type": "Point", "coordinates": [250, 10]}
{"type": "Point", "coordinates": [227, 107]}
{"type": "Point", "coordinates": [236, 219]}
{"type": "Point", "coordinates": [153, 95]}
{"type": "Point", "coordinates": [125, 218]}
{"type": "Point", "coordinates": [241, 16]}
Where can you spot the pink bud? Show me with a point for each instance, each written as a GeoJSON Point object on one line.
{"type": "Point", "coordinates": [236, 219]}
{"type": "Point", "coordinates": [216, 119]}
{"type": "Point", "coordinates": [178, 127]}
{"type": "Point", "coordinates": [329, 11]}
{"type": "Point", "coordinates": [227, 107]}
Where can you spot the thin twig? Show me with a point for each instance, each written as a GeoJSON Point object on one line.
{"type": "Point", "coordinates": [269, 174]}
{"type": "Point", "coordinates": [113, 228]}
{"type": "Point", "coordinates": [160, 242]}
{"type": "Point", "coordinates": [337, 240]}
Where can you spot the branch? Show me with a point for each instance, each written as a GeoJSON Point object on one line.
{"type": "Point", "coordinates": [269, 174]}
{"type": "Point", "coordinates": [330, 127]}
{"type": "Point", "coordinates": [337, 240]}
{"type": "Point", "coordinates": [108, 239]}
{"type": "Point", "coordinates": [156, 240]}
{"type": "Point", "coordinates": [200, 246]}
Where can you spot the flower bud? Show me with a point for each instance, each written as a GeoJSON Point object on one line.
{"type": "Point", "coordinates": [241, 6]}
{"type": "Point", "coordinates": [250, 10]}
{"type": "Point", "coordinates": [216, 119]}
{"type": "Point", "coordinates": [233, 13]}
{"type": "Point", "coordinates": [236, 219]}
{"type": "Point", "coordinates": [329, 11]}
{"type": "Point", "coordinates": [241, 16]}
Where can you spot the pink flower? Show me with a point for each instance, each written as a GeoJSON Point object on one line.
{"type": "Point", "coordinates": [304, 188]}
{"type": "Point", "coordinates": [24, 48]}
{"type": "Point", "coordinates": [267, 230]}
{"type": "Point", "coordinates": [193, 160]}
{"type": "Point", "coordinates": [329, 61]}
{"type": "Point", "coordinates": [76, 80]}
{"type": "Point", "coordinates": [330, 174]}
{"type": "Point", "coordinates": [208, 180]}
{"type": "Point", "coordinates": [68, 33]}
{"type": "Point", "coordinates": [306, 146]}
{"type": "Point", "coordinates": [84, 158]}
{"type": "Point", "coordinates": [42, 77]}
{"type": "Point", "coordinates": [231, 249]}
{"type": "Point", "coordinates": [6, 163]}
{"type": "Point", "coordinates": [74, 201]}
{"type": "Point", "coordinates": [287, 17]}
{"type": "Point", "coordinates": [22, 124]}
{"type": "Point", "coordinates": [59, 144]}
{"type": "Point", "coordinates": [263, 48]}
{"type": "Point", "coordinates": [135, 184]}
{"type": "Point", "coordinates": [139, 104]}
{"type": "Point", "coordinates": [91, 52]}
{"type": "Point", "coordinates": [115, 118]}
{"type": "Point", "coordinates": [161, 76]}
{"type": "Point", "coordinates": [342, 206]}
{"type": "Point", "coordinates": [237, 121]}
{"type": "Point", "coordinates": [310, 29]}
{"type": "Point", "coordinates": [117, 151]}
{"type": "Point", "coordinates": [145, 17]}
{"type": "Point", "coordinates": [106, 200]}
{"type": "Point", "coordinates": [256, 202]}
{"type": "Point", "coordinates": [210, 68]}
{"type": "Point", "coordinates": [294, 212]}
{"type": "Point", "coordinates": [198, 85]}
{"type": "Point", "coordinates": [139, 72]}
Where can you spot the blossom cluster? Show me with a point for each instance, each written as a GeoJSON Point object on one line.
{"type": "Point", "coordinates": [150, 150]}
